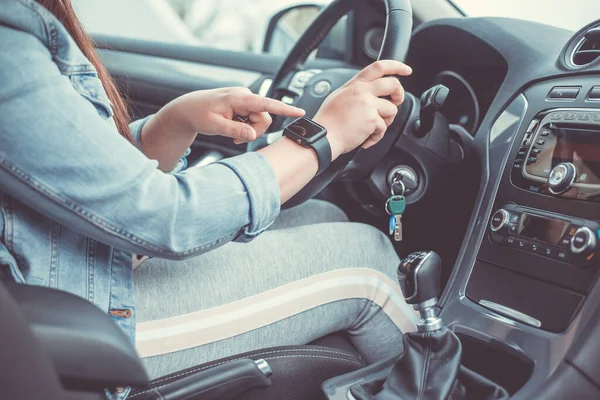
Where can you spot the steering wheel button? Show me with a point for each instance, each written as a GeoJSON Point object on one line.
{"type": "Point", "coordinates": [545, 132]}
{"type": "Point", "coordinates": [540, 142]}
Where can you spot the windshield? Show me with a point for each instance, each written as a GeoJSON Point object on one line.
{"type": "Point", "coordinates": [571, 14]}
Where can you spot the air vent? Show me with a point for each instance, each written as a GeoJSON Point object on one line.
{"type": "Point", "coordinates": [588, 48]}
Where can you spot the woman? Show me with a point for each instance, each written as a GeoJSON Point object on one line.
{"type": "Point", "coordinates": [81, 191]}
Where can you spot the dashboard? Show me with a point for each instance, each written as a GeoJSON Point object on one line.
{"type": "Point", "coordinates": [525, 279]}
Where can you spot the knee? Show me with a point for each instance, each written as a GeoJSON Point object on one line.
{"type": "Point", "coordinates": [330, 212]}
{"type": "Point", "coordinates": [368, 247]}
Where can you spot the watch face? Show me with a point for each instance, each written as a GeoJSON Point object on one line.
{"type": "Point", "coordinates": [305, 128]}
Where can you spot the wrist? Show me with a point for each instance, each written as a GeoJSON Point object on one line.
{"type": "Point", "coordinates": [332, 138]}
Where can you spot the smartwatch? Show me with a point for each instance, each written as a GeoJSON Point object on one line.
{"type": "Point", "coordinates": [308, 133]}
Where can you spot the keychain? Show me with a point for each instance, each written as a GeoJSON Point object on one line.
{"type": "Point", "coordinates": [395, 207]}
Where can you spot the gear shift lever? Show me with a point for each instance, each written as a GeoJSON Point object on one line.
{"type": "Point", "coordinates": [429, 367]}
{"type": "Point", "coordinates": [419, 278]}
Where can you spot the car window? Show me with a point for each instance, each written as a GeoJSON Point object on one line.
{"type": "Point", "coordinates": [571, 15]}
{"type": "Point", "coordinates": [238, 25]}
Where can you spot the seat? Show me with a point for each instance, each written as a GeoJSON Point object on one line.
{"type": "Point", "coordinates": [89, 353]}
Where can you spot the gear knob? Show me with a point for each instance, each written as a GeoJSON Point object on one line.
{"type": "Point", "coordinates": [419, 276]}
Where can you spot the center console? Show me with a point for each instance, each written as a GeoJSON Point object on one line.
{"type": "Point", "coordinates": [538, 260]}
{"type": "Point", "coordinates": [526, 285]}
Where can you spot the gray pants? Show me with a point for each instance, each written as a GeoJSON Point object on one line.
{"type": "Point", "coordinates": [312, 274]}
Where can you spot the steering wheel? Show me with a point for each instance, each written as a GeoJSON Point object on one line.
{"type": "Point", "coordinates": [311, 87]}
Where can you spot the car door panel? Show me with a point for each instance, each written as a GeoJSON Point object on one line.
{"type": "Point", "coordinates": [151, 81]}
{"type": "Point", "coordinates": [154, 73]}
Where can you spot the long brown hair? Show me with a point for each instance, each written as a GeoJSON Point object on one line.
{"type": "Point", "coordinates": [64, 12]}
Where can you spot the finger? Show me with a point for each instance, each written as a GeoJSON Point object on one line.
{"type": "Point", "coordinates": [372, 140]}
{"type": "Point", "coordinates": [237, 130]}
{"type": "Point", "coordinates": [381, 68]}
{"type": "Point", "coordinates": [386, 108]}
{"type": "Point", "coordinates": [239, 141]}
{"type": "Point", "coordinates": [389, 120]}
{"type": "Point", "coordinates": [252, 103]}
{"type": "Point", "coordinates": [388, 86]}
{"type": "Point", "coordinates": [260, 122]}
{"type": "Point", "coordinates": [380, 128]}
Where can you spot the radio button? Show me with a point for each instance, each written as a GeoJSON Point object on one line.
{"type": "Point", "coordinates": [564, 93]}
{"type": "Point", "coordinates": [583, 116]}
{"type": "Point", "coordinates": [522, 153]}
{"type": "Point", "coordinates": [549, 251]}
{"type": "Point", "coordinates": [570, 116]}
{"type": "Point", "coordinates": [565, 242]}
{"type": "Point", "coordinates": [561, 178]}
{"type": "Point", "coordinates": [514, 218]}
{"type": "Point", "coordinates": [513, 229]}
{"type": "Point", "coordinates": [532, 126]}
{"type": "Point", "coordinates": [594, 94]}
{"type": "Point", "coordinates": [511, 241]}
{"type": "Point", "coordinates": [561, 255]}
{"type": "Point", "coordinates": [556, 116]}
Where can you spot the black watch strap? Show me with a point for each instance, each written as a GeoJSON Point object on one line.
{"type": "Point", "coordinates": [323, 150]}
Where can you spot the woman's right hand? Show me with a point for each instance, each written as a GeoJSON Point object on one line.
{"type": "Point", "coordinates": [357, 114]}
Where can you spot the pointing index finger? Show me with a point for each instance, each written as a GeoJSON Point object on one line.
{"type": "Point", "coordinates": [257, 104]}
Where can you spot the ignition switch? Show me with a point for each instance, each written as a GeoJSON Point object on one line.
{"type": "Point", "coordinates": [407, 175]}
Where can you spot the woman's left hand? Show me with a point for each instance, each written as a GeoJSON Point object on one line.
{"type": "Point", "coordinates": [212, 112]}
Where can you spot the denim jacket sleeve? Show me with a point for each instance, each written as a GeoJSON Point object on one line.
{"type": "Point", "coordinates": [136, 132]}
{"type": "Point", "coordinates": [59, 157]}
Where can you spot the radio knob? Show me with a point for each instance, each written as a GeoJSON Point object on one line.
{"type": "Point", "coordinates": [500, 220]}
{"type": "Point", "coordinates": [561, 178]}
{"type": "Point", "coordinates": [583, 242]}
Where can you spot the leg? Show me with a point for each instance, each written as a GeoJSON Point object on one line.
{"type": "Point", "coordinates": [311, 212]}
{"type": "Point", "coordinates": [289, 286]}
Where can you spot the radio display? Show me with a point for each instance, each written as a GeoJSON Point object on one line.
{"type": "Point", "coordinates": [543, 229]}
{"type": "Point", "coordinates": [578, 146]}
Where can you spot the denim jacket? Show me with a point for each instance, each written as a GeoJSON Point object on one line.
{"type": "Point", "coordinates": [77, 199]}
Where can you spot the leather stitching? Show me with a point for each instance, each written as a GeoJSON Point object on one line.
{"type": "Point", "coordinates": [356, 362]}
{"type": "Point", "coordinates": [425, 367]}
{"type": "Point", "coordinates": [264, 353]}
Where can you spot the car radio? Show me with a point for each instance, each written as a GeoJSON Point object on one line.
{"type": "Point", "coordinates": [563, 238]}
{"type": "Point", "coordinates": [560, 154]}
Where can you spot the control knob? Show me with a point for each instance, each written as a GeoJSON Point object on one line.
{"type": "Point", "coordinates": [562, 177]}
{"type": "Point", "coordinates": [500, 220]}
{"type": "Point", "coordinates": [583, 243]}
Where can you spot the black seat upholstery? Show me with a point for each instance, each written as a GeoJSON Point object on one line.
{"type": "Point", "coordinates": [88, 352]}
{"type": "Point", "coordinates": [298, 372]}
